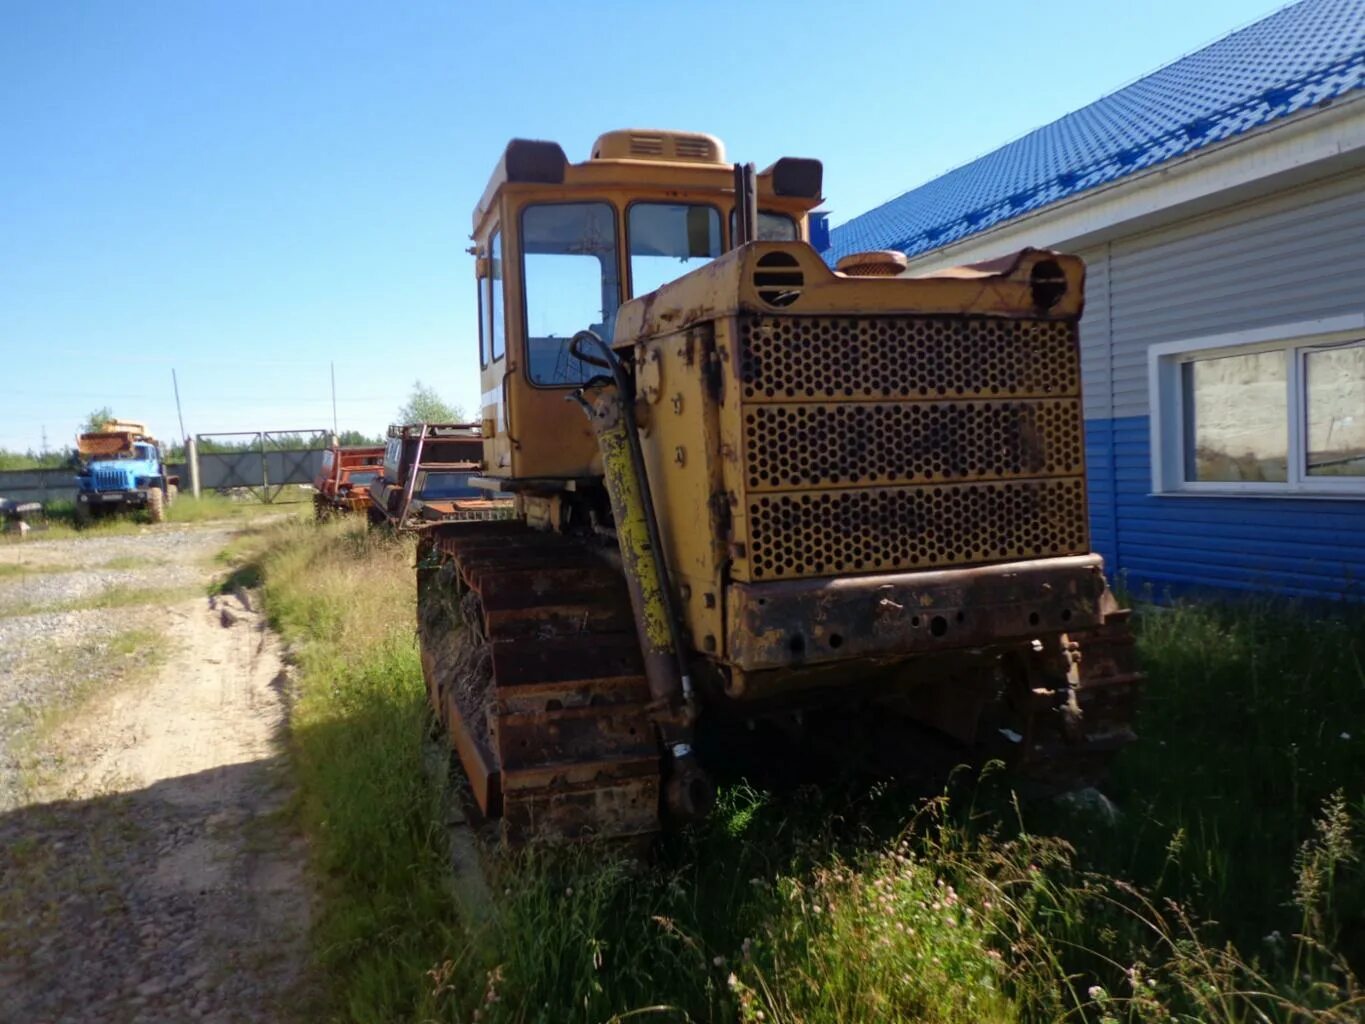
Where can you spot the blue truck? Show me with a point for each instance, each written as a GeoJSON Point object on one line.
{"type": "Point", "coordinates": [120, 467]}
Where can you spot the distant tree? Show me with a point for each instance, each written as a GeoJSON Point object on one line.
{"type": "Point", "coordinates": [97, 419]}
{"type": "Point", "coordinates": [355, 439]}
{"type": "Point", "coordinates": [33, 460]}
{"type": "Point", "coordinates": [424, 405]}
{"type": "Point", "coordinates": [209, 445]}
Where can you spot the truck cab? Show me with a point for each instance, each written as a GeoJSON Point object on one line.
{"type": "Point", "coordinates": [425, 461]}
{"type": "Point", "coordinates": [344, 479]}
{"type": "Point", "coordinates": [120, 467]}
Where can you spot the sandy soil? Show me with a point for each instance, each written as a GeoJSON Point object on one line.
{"type": "Point", "coordinates": [156, 876]}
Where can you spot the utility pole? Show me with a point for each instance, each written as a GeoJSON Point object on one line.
{"type": "Point", "coordinates": [44, 439]}
{"type": "Point", "coordinates": [334, 398]}
{"type": "Point", "coordinates": [178, 415]}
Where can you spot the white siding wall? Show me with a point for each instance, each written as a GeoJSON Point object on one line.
{"type": "Point", "coordinates": [1095, 341]}
{"type": "Point", "coordinates": [1297, 256]}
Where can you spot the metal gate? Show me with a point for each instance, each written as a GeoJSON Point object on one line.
{"type": "Point", "coordinates": [263, 462]}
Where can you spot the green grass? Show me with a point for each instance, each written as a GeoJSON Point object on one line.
{"type": "Point", "coordinates": [210, 506]}
{"type": "Point", "coordinates": [115, 595]}
{"type": "Point", "coordinates": [1241, 810]}
{"type": "Point", "coordinates": [61, 516]}
{"type": "Point", "coordinates": [101, 665]}
{"type": "Point", "coordinates": [1254, 717]}
{"type": "Point", "coordinates": [134, 562]}
{"type": "Point", "coordinates": [10, 570]}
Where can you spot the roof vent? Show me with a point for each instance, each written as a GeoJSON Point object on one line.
{"type": "Point", "coordinates": [877, 263]}
{"type": "Point", "coordinates": [696, 147]}
{"type": "Point", "coordinates": [645, 144]}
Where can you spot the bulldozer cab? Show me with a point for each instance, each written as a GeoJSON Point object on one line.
{"type": "Point", "coordinates": [560, 246]}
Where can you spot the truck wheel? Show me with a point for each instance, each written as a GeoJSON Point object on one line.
{"type": "Point", "coordinates": [156, 505]}
{"type": "Point", "coordinates": [83, 514]}
{"type": "Point", "coordinates": [172, 492]}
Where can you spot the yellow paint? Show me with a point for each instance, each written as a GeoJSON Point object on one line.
{"type": "Point", "coordinates": [633, 534]}
{"type": "Point", "coordinates": [538, 433]}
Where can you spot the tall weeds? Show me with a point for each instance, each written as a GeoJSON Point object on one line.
{"type": "Point", "coordinates": [1240, 817]}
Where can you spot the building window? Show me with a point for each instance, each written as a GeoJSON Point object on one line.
{"type": "Point", "coordinates": [1236, 422]}
{"type": "Point", "coordinates": [1275, 411]}
{"type": "Point", "coordinates": [1334, 413]}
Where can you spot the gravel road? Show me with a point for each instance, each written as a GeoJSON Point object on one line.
{"type": "Point", "coordinates": [147, 870]}
{"type": "Point", "coordinates": [49, 651]}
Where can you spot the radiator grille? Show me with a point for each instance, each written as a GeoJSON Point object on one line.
{"type": "Point", "coordinates": [897, 528]}
{"type": "Point", "coordinates": [112, 479]}
{"type": "Point", "coordinates": [894, 443]}
{"type": "Point", "coordinates": [785, 357]}
{"type": "Point", "coordinates": [815, 445]}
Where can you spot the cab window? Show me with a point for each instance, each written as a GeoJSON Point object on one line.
{"type": "Point", "coordinates": [570, 283]}
{"type": "Point", "coordinates": [496, 324]}
{"type": "Point", "coordinates": [392, 454]}
{"type": "Point", "coordinates": [483, 322]}
{"type": "Point", "coordinates": [667, 240]}
{"type": "Point", "coordinates": [772, 227]}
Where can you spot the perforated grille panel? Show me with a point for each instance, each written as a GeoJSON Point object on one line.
{"type": "Point", "coordinates": [785, 357]}
{"type": "Point", "coordinates": [888, 444]}
{"type": "Point", "coordinates": [814, 445]}
{"type": "Point", "coordinates": [897, 528]}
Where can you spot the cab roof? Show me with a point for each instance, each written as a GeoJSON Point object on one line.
{"type": "Point", "coordinates": [645, 157]}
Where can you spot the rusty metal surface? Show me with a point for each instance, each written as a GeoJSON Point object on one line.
{"type": "Point", "coordinates": [1070, 706]}
{"type": "Point", "coordinates": [641, 560]}
{"type": "Point", "coordinates": [883, 443]}
{"type": "Point", "coordinates": [333, 488]}
{"type": "Point", "coordinates": [891, 616]}
{"type": "Point", "coordinates": [558, 741]}
{"type": "Point", "coordinates": [104, 443]}
{"type": "Point", "coordinates": [873, 263]}
{"type": "Point", "coordinates": [733, 284]}
{"type": "Point", "coordinates": [906, 358]}
{"type": "Point", "coordinates": [460, 510]}
{"type": "Point", "coordinates": [859, 530]}
{"type": "Point", "coordinates": [830, 444]}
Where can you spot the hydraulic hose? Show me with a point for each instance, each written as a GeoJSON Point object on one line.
{"type": "Point", "coordinates": [626, 389]}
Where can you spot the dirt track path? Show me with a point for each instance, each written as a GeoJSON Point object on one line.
{"type": "Point", "coordinates": [166, 883]}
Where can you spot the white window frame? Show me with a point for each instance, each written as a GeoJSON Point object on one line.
{"type": "Point", "coordinates": [1166, 406]}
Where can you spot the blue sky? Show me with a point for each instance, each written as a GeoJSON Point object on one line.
{"type": "Point", "coordinates": [248, 191]}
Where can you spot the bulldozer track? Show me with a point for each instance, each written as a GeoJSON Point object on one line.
{"type": "Point", "coordinates": [534, 672]}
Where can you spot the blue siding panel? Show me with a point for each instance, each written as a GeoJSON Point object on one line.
{"type": "Point", "coordinates": [1301, 547]}
{"type": "Point", "coordinates": [1099, 450]}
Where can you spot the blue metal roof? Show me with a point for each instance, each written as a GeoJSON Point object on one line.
{"type": "Point", "coordinates": [1299, 56]}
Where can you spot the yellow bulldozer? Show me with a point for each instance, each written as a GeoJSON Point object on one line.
{"type": "Point", "coordinates": [749, 487]}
